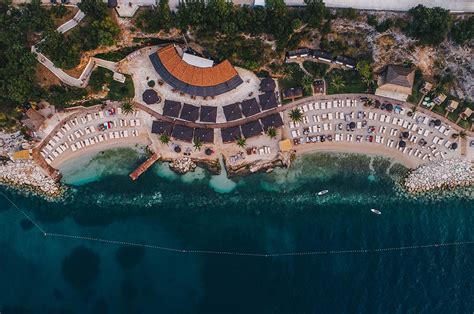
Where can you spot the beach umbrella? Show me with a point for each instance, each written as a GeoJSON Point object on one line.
{"type": "Point", "coordinates": [405, 134]}
{"type": "Point", "coordinates": [177, 149]}
{"type": "Point", "coordinates": [402, 144]}
{"type": "Point", "coordinates": [389, 107]}
{"type": "Point", "coordinates": [352, 125]}
{"type": "Point", "coordinates": [437, 122]}
{"type": "Point", "coordinates": [454, 146]}
{"type": "Point", "coordinates": [208, 151]}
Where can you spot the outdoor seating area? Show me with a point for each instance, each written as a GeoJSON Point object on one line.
{"type": "Point", "coordinates": [90, 129]}
{"type": "Point", "coordinates": [182, 133]}
{"type": "Point", "coordinates": [347, 120]}
{"type": "Point", "coordinates": [252, 128]}
{"type": "Point", "coordinates": [250, 107]}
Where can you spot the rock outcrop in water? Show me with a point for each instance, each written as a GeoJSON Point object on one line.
{"type": "Point", "coordinates": [448, 173]}
{"type": "Point", "coordinates": [182, 165]}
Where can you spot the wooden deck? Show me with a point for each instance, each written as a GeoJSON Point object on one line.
{"type": "Point", "coordinates": [144, 166]}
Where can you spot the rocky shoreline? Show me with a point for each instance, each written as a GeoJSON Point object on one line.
{"type": "Point", "coordinates": [26, 175]}
{"type": "Point", "coordinates": [447, 174]}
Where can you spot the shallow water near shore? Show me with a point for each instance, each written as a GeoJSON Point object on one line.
{"type": "Point", "coordinates": [268, 213]}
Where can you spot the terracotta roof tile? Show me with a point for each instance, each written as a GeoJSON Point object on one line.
{"type": "Point", "coordinates": [194, 75]}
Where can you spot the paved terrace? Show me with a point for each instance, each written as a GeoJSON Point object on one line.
{"type": "Point", "coordinates": [297, 103]}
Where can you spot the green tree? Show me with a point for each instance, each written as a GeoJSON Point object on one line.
{"type": "Point", "coordinates": [241, 142]}
{"type": "Point", "coordinates": [94, 8]}
{"type": "Point", "coordinates": [164, 138]}
{"type": "Point", "coordinates": [105, 31]}
{"type": "Point", "coordinates": [463, 31]}
{"type": "Point", "coordinates": [365, 69]}
{"type": "Point", "coordinates": [197, 143]}
{"type": "Point", "coordinates": [315, 12]}
{"type": "Point", "coordinates": [296, 115]}
{"type": "Point", "coordinates": [429, 25]}
{"type": "Point", "coordinates": [127, 108]}
{"type": "Point", "coordinates": [337, 82]}
{"type": "Point", "coordinates": [272, 132]}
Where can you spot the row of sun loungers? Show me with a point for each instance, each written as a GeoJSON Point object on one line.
{"type": "Point", "coordinates": [53, 154]}
{"type": "Point", "coordinates": [328, 105]}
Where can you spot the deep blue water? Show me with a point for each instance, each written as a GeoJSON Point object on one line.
{"type": "Point", "coordinates": [265, 214]}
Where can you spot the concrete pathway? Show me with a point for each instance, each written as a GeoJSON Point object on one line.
{"type": "Point", "coordinates": [83, 79]}
{"type": "Point", "coordinates": [292, 105]}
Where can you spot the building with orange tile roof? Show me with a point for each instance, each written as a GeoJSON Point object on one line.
{"type": "Point", "coordinates": [199, 78]}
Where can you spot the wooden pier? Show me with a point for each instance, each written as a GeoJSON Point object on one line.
{"type": "Point", "coordinates": [144, 167]}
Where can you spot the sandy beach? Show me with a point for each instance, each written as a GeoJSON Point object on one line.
{"type": "Point", "coordinates": [360, 148]}
{"type": "Point", "coordinates": [141, 140]}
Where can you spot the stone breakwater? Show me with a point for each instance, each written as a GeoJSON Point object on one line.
{"type": "Point", "coordinates": [448, 173]}
{"type": "Point", "coordinates": [25, 174]}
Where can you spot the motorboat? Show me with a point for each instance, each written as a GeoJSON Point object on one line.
{"type": "Point", "coordinates": [376, 211]}
{"type": "Point", "coordinates": [322, 192]}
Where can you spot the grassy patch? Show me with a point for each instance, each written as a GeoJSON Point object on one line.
{"type": "Point", "coordinates": [101, 78]}
{"type": "Point", "coordinates": [352, 82]}
{"type": "Point", "coordinates": [416, 95]}
{"type": "Point", "coordinates": [439, 109]}
{"type": "Point", "coordinates": [293, 76]}
{"type": "Point", "coordinates": [453, 116]}
{"type": "Point", "coordinates": [465, 124]}
{"type": "Point", "coordinates": [317, 70]}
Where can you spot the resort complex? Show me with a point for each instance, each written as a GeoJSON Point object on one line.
{"type": "Point", "coordinates": [190, 108]}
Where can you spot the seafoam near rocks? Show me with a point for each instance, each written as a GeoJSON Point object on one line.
{"type": "Point", "coordinates": [447, 173]}
{"type": "Point", "coordinates": [26, 174]}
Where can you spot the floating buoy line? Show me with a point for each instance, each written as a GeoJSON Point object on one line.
{"type": "Point", "coordinates": [50, 235]}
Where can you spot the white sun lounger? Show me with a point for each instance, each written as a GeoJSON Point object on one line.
{"type": "Point", "coordinates": [323, 105]}
{"type": "Point", "coordinates": [101, 114]}
{"type": "Point", "coordinates": [89, 117]}
{"type": "Point", "coordinates": [316, 106]}
{"type": "Point", "coordinates": [73, 147]}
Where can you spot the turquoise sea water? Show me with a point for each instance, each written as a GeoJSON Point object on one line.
{"type": "Point", "coordinates": [262, 214]}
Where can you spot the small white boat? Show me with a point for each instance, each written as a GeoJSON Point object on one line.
{"type": "Point", "coordinates": [376, 211]}
{"type": "Point", "coordinates": [322, 192]}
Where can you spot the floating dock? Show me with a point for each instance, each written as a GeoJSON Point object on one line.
{"type": "Point", "coordinates": [144, 167]}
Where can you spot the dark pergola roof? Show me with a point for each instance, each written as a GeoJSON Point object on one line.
{"type": "Point", "coordinates": [252, 128]}
{"type": "Point", "coordinates": [161, 127]}
{"type": "Point", "coordinates": [267, 85]}
{"type": "Point", "coordinates": [183, 133]}
{"type": "Point", "coordinates": [189, 113]}
{"type": "Point", "coordinates": [273, 120]}
{"type": "Point", "coordinates": [150, 97]}
{"type": "Point", "coordinates": [208, 114]}
{"type": "Point", "coordinates": [250, 107]}
{"type": "Point", "coordinates": [171, 108]}
{"type": "Point", "coordinates": [205, 135]}
{"type": "Point", "coordinates": [232, 112]}
{"type": "Point", "coordinates": [230, 134]}
{"type": "Point", "coordinates": [267, 101]}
